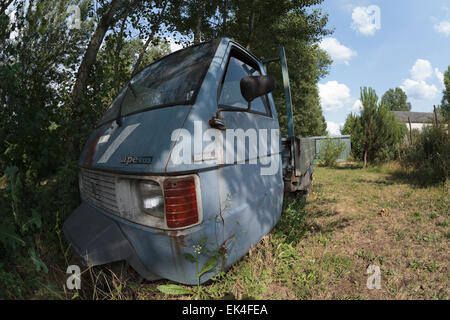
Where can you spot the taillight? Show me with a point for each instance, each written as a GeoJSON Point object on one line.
{"type": "Point", "coordinates": [181, 202]}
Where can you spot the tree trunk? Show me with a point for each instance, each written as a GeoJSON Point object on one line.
{"type": "Point", "coordinates": [118, 50]}
{"type": "Point", "coordinates": [91, 53]}
{"type": "Point", "coordinates": [79, 88]}
{"type": "Point", "coordinates": [365, 159]}
{"type": "Point", "coordinates": [147, 43]}
{"type": "Point", "coordinates": [198, 26]}
{"type": "Point", "coordinates": [251, 25]}
{"type": "Point", "coordinates": [225, 17]}
{"type": "Point", "coordinates": [141, 55]}
{"type": "Point", "coordinates": [435, 116]}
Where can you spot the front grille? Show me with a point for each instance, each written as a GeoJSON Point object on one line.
{"type": "Point", "coordinates": [99, 188]}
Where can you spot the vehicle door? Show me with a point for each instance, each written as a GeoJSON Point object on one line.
{"type": "Point", "coordinates": [251, 185]}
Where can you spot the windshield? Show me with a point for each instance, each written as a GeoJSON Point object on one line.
{"type": "Point", "coordinates": [172, 80]}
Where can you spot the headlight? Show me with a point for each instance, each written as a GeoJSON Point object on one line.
{"type": "Point", "coordinates": [151, 198]}
{"type": "Point", "coordinates": [160, 202]}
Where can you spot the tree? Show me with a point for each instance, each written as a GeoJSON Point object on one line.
{"type": "Point", "coordinates": [353, 128]}
{"type": "Point", "coordinates": [154, 19]}
{"type": "Point", "coordinates": [429, 155]}
{"type": "Point", "coordinates": [37, 68]}
{"type": "Point", "coordinates": [196, 19]}
{"type": "Point", "coordinates": [375, 132]}
{"type": "Point", "coordinates": [298, 28]}
{"type": "Point", "coordinates": [122, 17]}
{"type": "Point", "coordinates": [445, 104]}
{"type": "Point", "coordinates": [39, 57]}
{"type": "Point", "coordinates": [112, 71]}
{"type": "Point", "coordinates": [396, 100]}
{"type": "Point", "coordinates": [369, 100]}
{"type": "Point", "coordinates": [90, 54]}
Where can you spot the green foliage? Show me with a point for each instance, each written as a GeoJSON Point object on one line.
{"type": "Point", "coordinates": [17, 230]}
{"type": "Point", "coordinates": [112, 71]}
{"type": "Point", "coordinates": [396, 100]}
{"type": "Point", "coordinates": [352, 126]}
{"type": "Point", "coordinates": [376, 132]}
{"type": "Point", "coordinates": [38, 121]}
{"type": "Point", "coordinates": [199, 250]}
{"type": "Point", "coordinates": [34, 86]}
{"type": "Point", "coordinates": [298, 27]}
{"type": "Point", "coordinates": [173, 289]}
{"type": "Point", "coordinates": [445, 104]}
{"type": "Point", "coordinates": [429, 155]}
{"type": "Point", "coordinates": [330, 151]}
{"type": "Point", "coordinates": [209, 265]}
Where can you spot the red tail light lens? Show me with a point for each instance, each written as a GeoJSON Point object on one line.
{"type": "Point", "coordinates": [181, 202]}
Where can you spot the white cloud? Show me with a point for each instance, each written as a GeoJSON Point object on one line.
{"type": "Point", "coordinates": [419, 90]}
{"type": "Point", "coordinates": [443, 27]}
{"type": "Point", "coordinates": [421, 70]}
{"type": "Point", "coordinates": [333, 128]}
{"type": "Point", "coordinates": [439, 75]}
{"type": "Point", "coordinates": [333, 95]}
{"type": "Point", "coordinates": [357, 106]}
{"type": "Point", "coordinates": [336, 50]}
{"type": "Point", "coordinates": [366, 20]}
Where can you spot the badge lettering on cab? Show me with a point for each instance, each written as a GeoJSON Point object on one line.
{"type": "Point", "coordinates": [127, 160]}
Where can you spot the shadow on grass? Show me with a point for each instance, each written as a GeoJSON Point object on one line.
{"type": "Point", "coordinates": [343, 166]}
{"type": "Point", "coordinates": [297, 223]}
{"type": "Point", "coordinates": [348, 166]}
{"type": "Point", "coordinates": [387, 182]}
{"type": "Point", "coordinates": [417, 178]}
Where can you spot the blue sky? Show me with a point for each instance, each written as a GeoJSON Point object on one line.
{"type": "Point", "coordinates": [384, 44]}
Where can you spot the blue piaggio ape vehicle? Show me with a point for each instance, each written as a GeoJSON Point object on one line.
{"type": "Point", "coordinates": [187, 169]}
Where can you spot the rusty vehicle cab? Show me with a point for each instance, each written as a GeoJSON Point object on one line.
{"type": "Point", "coordinates": [156, 195]}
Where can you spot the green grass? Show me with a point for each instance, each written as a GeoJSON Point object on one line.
{"type": "Point", "coordinates": [320, 249]}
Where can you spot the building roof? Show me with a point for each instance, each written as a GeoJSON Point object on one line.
{"type": "Point", "coordinates": [416, 117]}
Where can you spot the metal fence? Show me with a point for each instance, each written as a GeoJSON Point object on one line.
{"type": "Point", "coordinates": [345, 139]}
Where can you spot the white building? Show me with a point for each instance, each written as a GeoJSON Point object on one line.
{"type": "Point", "coordinates": [418, 119]}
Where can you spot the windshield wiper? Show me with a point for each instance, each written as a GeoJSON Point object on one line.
{"type": "Point", "coordinates": [119, 114]}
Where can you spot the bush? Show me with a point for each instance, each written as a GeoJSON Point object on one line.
{"type": "Point", "coordinates": [31, 239]}
{"type": "Point", "coordinates": [428, 155]}
{"type": "Point", "coordinates": [330, 151]}
{"type": "Point", "coordinates": [376, 132]}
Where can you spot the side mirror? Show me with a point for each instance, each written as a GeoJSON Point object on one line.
{"type": "Point", "coordinates": [256, 86]}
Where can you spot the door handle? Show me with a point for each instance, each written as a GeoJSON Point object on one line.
{"type": "Point", "coordinates": [218, 121]}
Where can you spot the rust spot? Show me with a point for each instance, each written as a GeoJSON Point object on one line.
{"type": "Point", "coordinates": [181, 241]}
{"type": "Point", "coordinates": [92, 149]}
{"type": "Point", "coordinates": [223, 249]}
{"type": "Point", "coordinates": [177, 257]}
{"type": "Point", "coordinates": [177, 237]}
{"type": "Point", "coordinates": [173, 254]}
{"type": "Point", "coordinates": [224, 243]}
{"type": "Point", "coordinates": [173, 234]}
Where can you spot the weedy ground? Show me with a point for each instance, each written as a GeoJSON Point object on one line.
{"type": "Point", "coordinates": [322, 247]}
